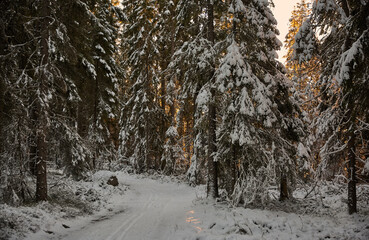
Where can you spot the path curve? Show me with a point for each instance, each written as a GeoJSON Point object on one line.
{"type": "Point", "coordinates": [153, 210]}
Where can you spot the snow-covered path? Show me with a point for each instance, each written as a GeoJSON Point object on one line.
{"type": "Point", "coordinates": [159, 210]}
{"type": "Point", "coordinates": [152, 210]}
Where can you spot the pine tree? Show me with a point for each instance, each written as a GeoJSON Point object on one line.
{"type": "Point", "coordinates": [306, 89]}
{"type": "Point", "coordinates": [343, 51]}
{"type": "Point", "coordinates": [258, 130]}
{"type": "Point", "coordinates": [14, 126]}
{"type": "Point", "coordinates": [304, 75]}
{"type": "Point", "coordinates": [105, 85]}
{"type": "Point", "coordinates": [141, 114]}
{"type": "Point", "coordinates": [90, 71]}
{"type": "Point", "coordinates": [188, 73]}
{"type": "Point", "coordinates": [47, 50]}
{"type": "Point", "coordinates": [173, 156]}
{"type": "Point", "coordinates": [212, 163]}
{"type": "Point", "coordinates": [193, 66]}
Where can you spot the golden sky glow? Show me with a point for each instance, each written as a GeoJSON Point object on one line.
{"type": "Point", "coordinates": [282, 13]}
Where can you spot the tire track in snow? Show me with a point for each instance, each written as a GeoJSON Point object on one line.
{"type": "Point", "coordinates": [150, 204]}
{"type": "Point", "coordinates": [154, 211]}
{"type": "Point", "coordinates": [133, 218]}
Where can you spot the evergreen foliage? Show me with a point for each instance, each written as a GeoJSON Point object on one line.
{"type": "Point", "coordinates": [141, 143]}
{"type": "Point", "coordinates": [46, 84]}
{"type": "Point", "coordinates": [259, 130]}
{"type": "Point", "coordinates": [183, 87]}
{"type": "Point", "coordinates": [342, 47]}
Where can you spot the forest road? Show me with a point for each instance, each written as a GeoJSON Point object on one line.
{"type": "Point", "coordinates": [152, 210]}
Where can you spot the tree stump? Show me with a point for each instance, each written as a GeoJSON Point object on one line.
{"type": "Point", "coordinates": [113, 180]}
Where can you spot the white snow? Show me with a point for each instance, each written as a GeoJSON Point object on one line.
{"type": "Point", "coordinates": [149, 210]}
{"type": "Point", "coordinates": [367, 165]}
{"type": "Point", "coordinates": [164, 209]}
{"type": "Point", "coordinates": [302, 151]}
{"type": "Point", "coordinates": [203, 98]}
{"type": "Point", "coordinates": [90, 68]}
{"type": "Point", "coordinates": [101, 49]}
{"type": "Point", "coordinates": [237, 7]}
{"type": "Point", "coordinates": [171, 132]}
{"type": "Point", "coordinates": [349, 59]}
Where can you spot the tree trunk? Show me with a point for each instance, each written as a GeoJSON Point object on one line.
{"type": "Point", "coordinates": [212, 165]}
{"type": "Point", "coordinates": [41, 111]}
{"type": "Point", "coordinates": [345, 7]}
{"type": "Point", "coordinates": [148, 145]}
{"type": "Point", "coordinates": [231, 172]}
{"type": "Point", "coordinates": [351, 174]}
{"type": "Point", "coordinates": [230, 165]}
{"type": "Point", "coordinates": [164, 125]}
{"type": "Point", "coordinates": [165, 166]}
{"type": "Point", "coordinates": [32, 140]}
{"type": "Point", "coordinates": [283, 188]}
{"type": "Point", "coordinates": [96, 109]}
{"type": "Point", "coordinates": [41, 182]}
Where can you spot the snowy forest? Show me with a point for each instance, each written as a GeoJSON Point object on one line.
{"type": "Point", "coordinates": [185, 92]}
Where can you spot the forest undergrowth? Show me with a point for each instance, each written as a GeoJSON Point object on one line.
{"type": "Point", "coordinates": [93, 198]}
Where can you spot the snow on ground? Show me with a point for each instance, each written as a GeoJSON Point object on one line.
{"type": "Point", "coordinates": [68, 200]}
{"type": "Point", "coordinates": [220, 222]}
{"type": "Point", "coordinates": [162, 209]}
{"type": "Point", "coordinates": [150, 210]}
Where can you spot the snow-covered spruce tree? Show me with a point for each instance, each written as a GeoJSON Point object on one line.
{"type": "Point", "coordinates": [42, 79]}
{"type": "Point", "coordinates": [31, 84]}
{"type": "Point", "coordinates": [185, 77]}
{"type": "Point", "coordinates": [79, 50]}
{"type": "Point", "coordinates": [303, 75]}
{"type": "Point", "coordinates": [141, 114]}
{"type": "Point", "coordinates": [27, 74]}
{"type": "Point", "coordinates": [192, 66]}
{"type": "Point", "coordinates": [104, 85]}
{"type": "Point", "coordinates": [258, 131]}
{"type": "Point", "coordinates": [45, 51]}
{"type": "Point", "coordinates": [69, 139]}
{"type": "Point", "coordinates": [173, 157]}
{"type": "Point", "coordinates": [305, 79]}
{"type": "Point", "coordinates": [212, 183]}
{"type": "Point", "coordinates": [67, 146]}
{"type": "Point", "coordinates": [14, 125]}
{"type": "Point", "coordinates": [342, 47]}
